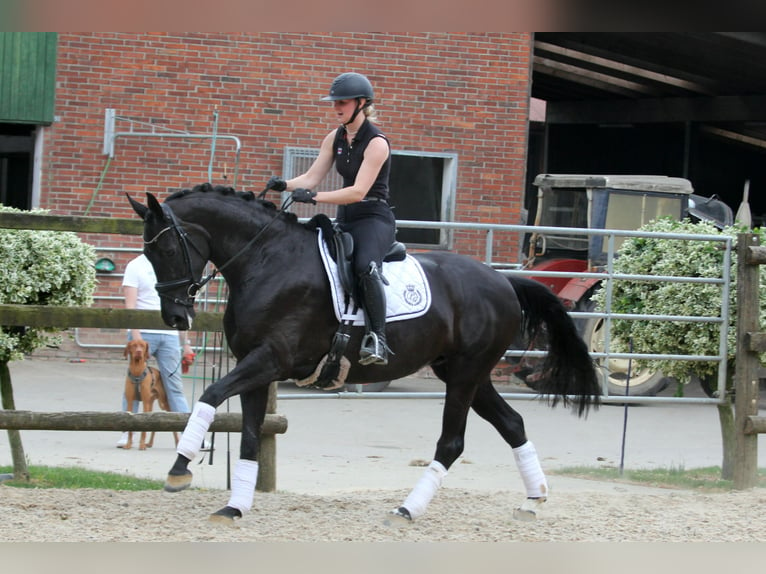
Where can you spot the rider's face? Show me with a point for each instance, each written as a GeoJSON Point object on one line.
{"type": "Point", "coordinates": [344, 109]}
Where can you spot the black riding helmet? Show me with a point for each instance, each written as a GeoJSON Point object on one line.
{"type": "Point", "coordinates": [351, 86]}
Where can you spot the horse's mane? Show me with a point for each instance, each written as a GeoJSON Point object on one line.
{"type": "Point", "coordinates": [246, 196]}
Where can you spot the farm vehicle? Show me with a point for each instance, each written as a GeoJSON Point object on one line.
{"type": "Point", "coordinates": [620, 202]}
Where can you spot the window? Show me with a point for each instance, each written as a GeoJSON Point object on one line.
{"type": "Point", "coordinates": [422, 189]}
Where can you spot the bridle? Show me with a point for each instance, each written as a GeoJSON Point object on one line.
{"type": "Point", "coordinates": [192, 285]}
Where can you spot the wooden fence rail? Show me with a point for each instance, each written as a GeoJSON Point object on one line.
{"type": "Point", "coordinates": [99, 317]}
{"type": "Point", "coordinates": [69, 317]}
{"type": "Point", "coordinates": [123, 421]}
{"type": "Point", "coordinates": [76, 223]}
{"type": "Point", "coordinates": [750, 342]}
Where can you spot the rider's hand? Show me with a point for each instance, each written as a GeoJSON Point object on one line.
{"type": "Point", "coordinates": [304, 195]}
{"type": "Point", "coordinates": [276, 183]}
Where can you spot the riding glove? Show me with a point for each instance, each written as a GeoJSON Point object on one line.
{"type": "Point", "coordinates": [304, 195]}
{"type": "Point", "coordinates": [276, 183]}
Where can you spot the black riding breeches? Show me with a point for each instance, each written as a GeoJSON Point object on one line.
{"type": "Point", "coordinates": [373, 227]}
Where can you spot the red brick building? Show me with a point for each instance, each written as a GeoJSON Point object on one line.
{"type": "Point", "coordinates": [455, 107]}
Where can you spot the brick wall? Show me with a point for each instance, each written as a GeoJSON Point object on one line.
{"type": "Point", "coordinates": [463, 93]}
{"type": "Point", "coordinates": [459, 93]}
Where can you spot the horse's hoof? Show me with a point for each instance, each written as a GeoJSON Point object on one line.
{"type": "Point", "coordinates": [398, 517]}
{"type": "Point", "coordinates": [528, 510]}
{"type": "Point", "coordinates": [178, 482]}
{"type": "Point", "coordinates": [227, 515]}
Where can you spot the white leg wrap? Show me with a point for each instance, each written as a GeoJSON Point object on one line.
{"type": "Point", "coordinates": [199, 421]}
{"type": "Point", "coordinates": [531, 471]}
{"type": "Point", "coordinates": [243, 485]}
{"type": "Point", "coordinates": [418, 500]}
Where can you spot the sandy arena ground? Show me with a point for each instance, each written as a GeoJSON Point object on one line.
{"type": "Point", "coordinates": [344, 463]}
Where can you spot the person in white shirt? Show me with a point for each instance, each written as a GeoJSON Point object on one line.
{"type": "Point", "coordinates": [165, 346]}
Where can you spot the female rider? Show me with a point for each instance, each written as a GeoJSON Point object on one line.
{"type": "Point", "coordinates": [362, 156]}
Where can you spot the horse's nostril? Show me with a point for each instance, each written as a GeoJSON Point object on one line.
{"type": "Point", "coordinates": [179, 322]}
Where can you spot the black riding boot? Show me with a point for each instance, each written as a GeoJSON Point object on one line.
{"type": "Point", "coordinates": [373, 349]}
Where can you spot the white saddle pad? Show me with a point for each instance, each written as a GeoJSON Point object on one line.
{"type": "Point", "coordinates": [408, 294]}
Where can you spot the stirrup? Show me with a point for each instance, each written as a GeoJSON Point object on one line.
{"type": "Point", "coordinates": [372, 351]}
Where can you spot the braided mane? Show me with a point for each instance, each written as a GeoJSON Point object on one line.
{"type": "Point", "coordinates": [226, 190]}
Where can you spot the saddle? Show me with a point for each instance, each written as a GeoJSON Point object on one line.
{"type": "Point", "coordinates": [341, 247]}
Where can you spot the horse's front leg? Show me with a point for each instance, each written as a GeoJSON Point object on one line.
{"type": "Point", "coordinates": [188, 447]}
{"type": "Point", "coordinates": [240, 380]}
{"type": "Point", "coordinates": [245, 475]}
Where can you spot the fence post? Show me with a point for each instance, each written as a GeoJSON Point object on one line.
{"type": "Point", "coordinates": [267, 458]}
{"type": "Point", "coordinates": [747, 364]}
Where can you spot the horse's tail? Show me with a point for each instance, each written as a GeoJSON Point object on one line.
{"type": "Point", "coordinates": [568, 372]}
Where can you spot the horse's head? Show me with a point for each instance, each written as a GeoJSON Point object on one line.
{"type": "Point", "coordinates": [178, 259]}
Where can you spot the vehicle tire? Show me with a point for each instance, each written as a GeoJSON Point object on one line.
{"type": "Point", "coordinates": [708, 384]}
{"type": "Point", "coordinates": [642, 383]}
{"type": "Point", "coordinates": [367, 387]}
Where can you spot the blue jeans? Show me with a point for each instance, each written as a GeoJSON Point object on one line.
{"type": "Point", "coordinates": [166, 349]}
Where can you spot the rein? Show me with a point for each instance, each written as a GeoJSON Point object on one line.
{"type": "Point", "coordinates": [193, 287]}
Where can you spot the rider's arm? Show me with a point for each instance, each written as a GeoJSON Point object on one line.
{"type": "Point", "coordinates": [318, 170]}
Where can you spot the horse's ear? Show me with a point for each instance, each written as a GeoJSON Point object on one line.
{"type": "Point", "coordinates": [139, 208]}
{"type": "Point", "coordinates": [154, 205]}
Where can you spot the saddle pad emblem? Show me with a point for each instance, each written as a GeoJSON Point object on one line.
{"type": "Point", "coordinates": [412, 295]}
{"type": "Point", "coordinates": [408, 294]}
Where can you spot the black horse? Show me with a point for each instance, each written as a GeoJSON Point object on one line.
{"type": "Point", "coordinates": [279, 324]}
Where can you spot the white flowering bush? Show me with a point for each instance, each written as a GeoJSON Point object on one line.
{"type": "Point", "coordinates": [672, 257]}
{"type": "Point", "coordinates": [41, 268]}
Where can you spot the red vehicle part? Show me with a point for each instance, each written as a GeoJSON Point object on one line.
{"type": "Point", "coordinates": [569, 289]}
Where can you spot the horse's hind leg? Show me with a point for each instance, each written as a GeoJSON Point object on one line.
{"type": "Point", "coordinates": [448, 448]}
{"type": "Point", "coordinates": [490, 406]}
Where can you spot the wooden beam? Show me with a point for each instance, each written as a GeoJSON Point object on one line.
{"type": "Point", "coordinates": [158, 421]}
{"type": "Point", "coordinates": [591, 78]}
{"type": "Point", "coordinates": [756, 255]}
{"type": "Point", "coordinates": [756, 342]}
{"type": "Point", "coordinates": [79, 224]}
{"type": "Point", "coordinates": [649, 110]}
{"type": "Point", "coordinates": [621, 67]}
{"type": "Point", "coordinates": [755, 425]}
{"type": "Point", "coordinates": [730, 135]}
{"type": "Point", "coordinates": [59, 317]}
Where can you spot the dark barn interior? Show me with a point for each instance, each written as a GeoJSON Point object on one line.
{"type": "Point", "coordinates": [686, 104]}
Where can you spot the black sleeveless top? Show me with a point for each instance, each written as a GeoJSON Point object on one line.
{"type": "Point", "coordinates": [348, 158]}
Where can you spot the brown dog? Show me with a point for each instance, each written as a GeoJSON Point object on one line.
{"type": "Point", "coordinates": [143, 383]}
